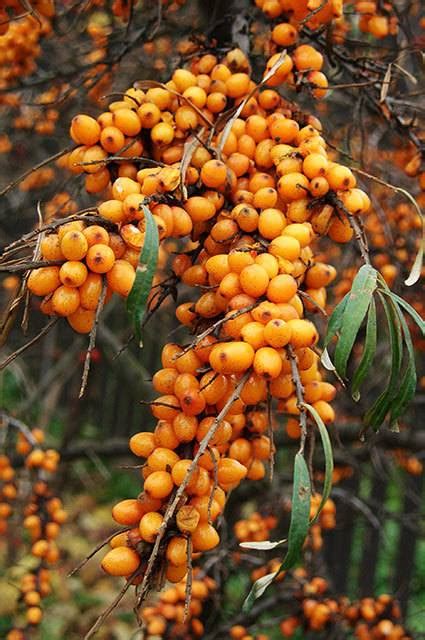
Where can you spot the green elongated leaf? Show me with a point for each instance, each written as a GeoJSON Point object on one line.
{"type": "Point", "coordinates": [298, 529]}
{"type": "Point", "coordinates": [329, 461]}
{"type": "Point", "coordinates": [416, 270]}
{"type": "Point", "coordinates": [335, 321]}
{"type": "Point", "coordinates": [257, 590]}
{"type": "Point", "coordinates": [407, 387]}
{"type": "Point", "coordinates": [138, 296]}
{"type": "Point", "coordinates": [361, 293]}
{"type": "Point", "coordinates": [369, 350]}
{"type": "Point", "coordinates": [377, 413]}
{"type": "Point", "coordinates": [263, 545]}
{"type": "Point", "coordinates": [409, 309]}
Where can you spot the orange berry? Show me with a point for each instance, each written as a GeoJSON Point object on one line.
{"type": "Point", "coordinates": [307, 58]}
{"type": "Point", "coordinates": [44, 280]}
{"type": "Point", "coordinates": [230, 471]}
{"type": "Point", "coordinates": [176, 552]}
{"type": "Point", "coordinates": [50, 247]}
{"type": "Point", "coordinates": [232, 357]}
{"type": "Point", "coordinates": [120, 277]}
{"type": "Point", "coordinates": [149, 525]}
{"type": "Point", "coordinates": [254, 280]}
{"type": "Point", "coordinates": [267, 363]}
{"type": "Point", "coordinates": [293, 186]}
{"type": "Point", "coordinates": [205, 537]}
{"type": "Point", "coordinates": [85, 130]}
{"type": "Point", "coordinates": [277, 333]}
{"type": "Point", "coordinates": [142, 444]}
{"type": "Point", "coordinates": [112, 210]}
{"type": "Point", "coordinates": [303, 333]}
{"type": "Point", "coordinates": [73, 273]}
{"type": "Point", "coordinates": [199, 208]}
{"type": "Point", "coordinates": [159, 484]}
{"type": "Point", "coordinates": [65, 300]}
{"type": "Point", "coordinates": [214, 173]}
{"type": "Point", "coordinates": [284, 34]}
{"type": "Point", "coordinates": [121, 561]}
{"type": "Point", "coordinates": [100, 258]}
{"type": "Point", "coordinates": [82, 320]}
{"type": "Point", "coordinates": [127, 512]}
{"type": "Point", "coordinates": [74, 245]}
{"type": "Point", "coordinates": [285, 246]}
{"type": "Point", "coordinates": [162, 459]}
{"type": "Point", "coordinates": [282, 288]}
{"type": "Point", "coordinates": [187, 518]}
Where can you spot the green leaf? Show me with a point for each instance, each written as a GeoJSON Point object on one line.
{"type": "Point", "coordinates": [298, 529]}
{"type": "Point", "coordinates": [263, 545]}
{"type": "Point", "coordinates": [368, 354]}
{"type": "Point", "coordinates": [377, 413]}
{"type": "Point", "coordinates": [257, 590]}
{"type": "Point", "coordinates": [364, 285]}
{"type": "Point", "coordinates": [329, 461]}
{"type": "Point", "coordinates": [407, 387]}
{"type": "Point", "coordinates": [138, 296]}
{"type": "Point", "coordinates": [409, 309]}
{"type": "Point", "coordinates": [335, 321]}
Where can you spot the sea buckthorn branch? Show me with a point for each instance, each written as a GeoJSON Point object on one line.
{"type": "Point", "coordinates": [203, 445]}
{"type": "Point", "coordinates": [43, 515]}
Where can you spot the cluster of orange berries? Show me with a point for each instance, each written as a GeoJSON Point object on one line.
{"type": "Point", "coordinates": [253, 215]}
{"type": "Point", "coordinates": [376, 18]}
{"type": "Point", "coordinates": [8, 491]}
{"type": "Point", "coordinates": [37, 179]}
{"type": "Point", "coordinates": [255, 528]}
{"type": "Point", "coordinates": [166, 619]}
{"type": "Point", "coordinates": [371, 619]}
{"type": "Point", "coordinates": [298, 10]}
{"type": "Point", "coordinates": [325, 522]}
{"type": "Point", "coordinates": [302, 66]}
{"type": "Point", "coordinates": [43, 517]}
{"type": "Point", "coordinates": [19, 44]}
{"type": "Point", "coordinates": [73, 288]}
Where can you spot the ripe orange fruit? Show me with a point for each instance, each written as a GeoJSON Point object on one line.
{"type": "Point", "coordinates": [121, 561]}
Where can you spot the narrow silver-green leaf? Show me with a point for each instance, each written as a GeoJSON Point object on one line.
{"type": "Point", "coordinates": [298, 529]}
{"type": "Point", "coordinates": [407, 387]}
{"type": "Point", "coordinates": [335, 321]}
{"type": "Point", "coordinates": [257, 590]}
{"type": "Point", "coordinates": [378, 412]}
{"type": "Point", "coordinates": [138, 296]}
{"type": "Point", "coordinates": [262, 545]}
{"type": "Point", "coordinates": [329, 461]}
{"type": "Point", "coordinates": [409, 309]}
{"type": "Point", "coordinates": [368, 354]}
{"type": "Point", "coordinates": [361, 293]}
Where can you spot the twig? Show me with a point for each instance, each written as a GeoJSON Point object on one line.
{"type": "Point", "coordinates": [215, 326]}
{"type": "Point", "coordinates": [28, 344]}
{"type": "Point", "coordinates": [112, 606]}
{"type": "Point", "coordinates": [360, 237]}
{"type": "Point", "coordinates": [21, 426]}
{"type": "Point", "coordinates": [189, 578]}
{"type": "Point", "coordinates": [13, 184]}
{"type": "Point", "coordinates": [312, 301]}
{"type": "Point", "coordinates": [92, 340]}
{"type": "Point", "coordinates": [93, 552]}
{"type": "Point", "coordinates": [270, 432]}
{"type": "Point", "coordinates": [299, 391]}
